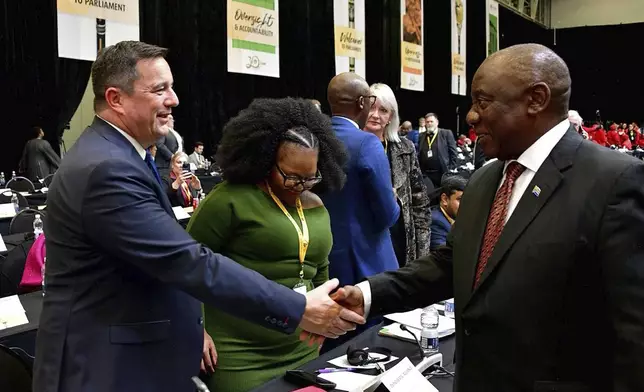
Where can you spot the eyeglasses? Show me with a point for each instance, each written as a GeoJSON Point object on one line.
{"type": "Point", "coordinates": [291, 182]}
{"type": "Point", "coordinates": [371, 99]}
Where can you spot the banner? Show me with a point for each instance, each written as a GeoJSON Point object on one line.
{"type": "Point", "coordinates": [411, 45]}
{"type": "Point", "coordinates": [349, 35]}
{"type": "Point", "coordinates": [459, 45]}
{"type": "Point", "coordinates": [253, 37]}
{"type": "Point", "coordinates": [492, 27]}
{"type": "Point", "coordinates": [87, 26]}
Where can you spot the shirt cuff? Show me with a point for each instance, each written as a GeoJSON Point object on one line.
{"type": "Point", "coordinates": [365, 287]}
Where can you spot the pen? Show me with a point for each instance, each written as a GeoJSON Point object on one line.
{"type": "Point", "coordinates": [335, 370]}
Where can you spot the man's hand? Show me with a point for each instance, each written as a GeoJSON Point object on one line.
{"type": "Point", "coordinates": [323, 316]}
{"type": "Point", "coordinates": [351, 298]}
{"type": "Point", "coordinates": [209, 358]}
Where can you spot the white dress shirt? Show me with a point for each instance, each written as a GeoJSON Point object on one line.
{"type": "Point", "coordinates": [532, 159]}
{"type": "Point", "coordinates": [137, 146]}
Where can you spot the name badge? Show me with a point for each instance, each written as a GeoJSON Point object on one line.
{"type": "Point", "coordinates": [300, 288]}
{"type": "Point", "coordinates": [430, 154]}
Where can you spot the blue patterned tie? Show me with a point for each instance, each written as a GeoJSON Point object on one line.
{"type": "Point", "coordinates": [153, 168]}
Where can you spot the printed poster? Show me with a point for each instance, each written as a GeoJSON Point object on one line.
{"type": "Point", "coordinates": [87, 26]}
{"type": "Point", "coordinates": [459, 28]}
{"type": "Point", "coordinates": [411, 45]}
{"type": "Point", "coordinates": [253, 37]}
{"type": "Point", "coordinates": [349, 36]}
{"type": "Point", "coordinates": [492, 27]}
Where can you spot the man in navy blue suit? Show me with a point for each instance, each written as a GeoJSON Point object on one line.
{"type": "Point", "coordinates": [124, 280]}
{"type": "Point", "coordinates": [364, 210]}
{"type": "Point", "coordinates": [444, 215]}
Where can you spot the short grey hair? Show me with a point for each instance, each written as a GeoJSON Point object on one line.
{"type": "Point", "coordinates": [386, 96]}
{"type": "Point", "coordinates": [575, 118]}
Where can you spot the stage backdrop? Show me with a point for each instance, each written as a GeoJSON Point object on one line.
{"type": "Point", "coordinates": [492, 27]}
{"type": "Point", "coordinates": [349, 36]}
{"type": "Point", "coordinates": [459, 47]}
{"type": "Point", "coordinates": [87, 26]}
{"type": "Point", "coordinates": [411, 44]}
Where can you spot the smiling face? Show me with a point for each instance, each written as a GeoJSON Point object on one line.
{"type": "Point", "coordinates": [145, 114]}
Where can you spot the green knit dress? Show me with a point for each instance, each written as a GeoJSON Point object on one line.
{"type": "Point", "coordinates": [243, 223]}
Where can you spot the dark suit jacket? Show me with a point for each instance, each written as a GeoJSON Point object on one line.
{"type": "Point", "coordinates": [38, 160]}
{"type": "Point", "coordinates": [413, 137]}
{"type": "Point", "coordinates": [446, 149]}
{"type": "Point", "coordinates": [440, 228]}
{"type": "Point", "coordinates": [175, 196]}
{"type": "Point", "coordinates": [560, 306]}
{"type": "Point", "coordinates": [363, 211]}
{"type": "Point", "coordinates": [125, 281]}
{"type": "Point", "coordinates": [167, 146]}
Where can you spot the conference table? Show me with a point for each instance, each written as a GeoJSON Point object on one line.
{"type": "Point", "coordinates": [370, 338]}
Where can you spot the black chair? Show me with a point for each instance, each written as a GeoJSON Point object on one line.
{"type": "Point", "coordinates": [47, 181]}
{"type": "Point", "coordinates": [23, 222]}
{"type": "Point", "coordinates": [16, 374]}
{"type": "Point", "coordinates": [5, 198]}
{"type": "Point", "coordinates": [21, 184]}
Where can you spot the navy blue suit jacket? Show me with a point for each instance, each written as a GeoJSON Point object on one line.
{"type": "Point", "coordinates": [363, 211]}
{"type": "Point", "coordinates": [440, 229]}
{"type": "Point", "coordinates": [413, 137]}
{"type": "Point", "coordinates": [124, 280]}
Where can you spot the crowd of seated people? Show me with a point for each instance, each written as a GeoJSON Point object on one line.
{"type": "Point", "coordinates": [619, 135]}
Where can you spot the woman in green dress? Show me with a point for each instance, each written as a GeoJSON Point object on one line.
{"type": "Point", "coordinates": [266, 217]}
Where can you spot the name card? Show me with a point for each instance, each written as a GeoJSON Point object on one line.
{"type": "Point", "coordinates": [404, 377]}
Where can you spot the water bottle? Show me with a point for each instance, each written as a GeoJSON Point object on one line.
{"type": "Point", "coordinates": [42, 272]}
{"type": "Point", "coordinates": [13, 174]}
{"type": "Point", "coordinates": [14, 201]}
{"type": "Point", "coordinates": [449, 308]}
{"type": "Point", "coordinates": [38, 226]}
{"type": "Point", "coordinates": [2, 180]}
{"type": "Point", "coordinates": [429, 334]}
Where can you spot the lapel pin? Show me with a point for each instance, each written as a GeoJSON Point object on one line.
{"type": "Point", "coordinates": [536, 191]}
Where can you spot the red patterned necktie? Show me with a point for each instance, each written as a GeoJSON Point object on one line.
{"type": "Point", "coordinates": [496, 219]}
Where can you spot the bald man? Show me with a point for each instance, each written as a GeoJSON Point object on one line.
{"type": "Point", "coordinates": [546, 261]}
{"type": "Point", "coordinates": [364, 210]}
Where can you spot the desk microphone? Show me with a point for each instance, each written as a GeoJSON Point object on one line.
{"type": "Point", "coordinates": [420, 348]}
{"type": "Point", "coordinates": [201, 387]}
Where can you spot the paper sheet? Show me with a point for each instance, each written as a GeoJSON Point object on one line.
{"type": "Point", "coordinates": [3, 247]}
{"type": "Point", "coordinates": [7, 210]}
{"type": "Point", "coordinates": [404, 377]}
{"type": "Point", "coordinates": [12, 314]}
{"type": "Point", "coordinates": [352, 382]}
{"type": "Point", "coordinates": [180, 213]}
{"type": "Point", "coordinates": [342, 361]}
{"type": "Point", "coordinates": [446, 325]}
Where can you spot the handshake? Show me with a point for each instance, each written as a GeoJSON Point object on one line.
{"type": "Point", "coordinates": [331, 315]}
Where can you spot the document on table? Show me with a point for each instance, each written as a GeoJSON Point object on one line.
{"type": "Point", "coordinates": [180, 213]}
{"type": "Point", "coordinates": [7, 210]}
{"type": "Point", "coordinates": [12, 314]}
{"type": "Point", "coordinates": [446, 325]}
{"type": "Point", "coordinates": [355, 382]}
{"type": "Point", "coordinates": [3, 247]}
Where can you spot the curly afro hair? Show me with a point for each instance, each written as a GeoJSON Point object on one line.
{"type": "Point", "coordinates": [248, 148]}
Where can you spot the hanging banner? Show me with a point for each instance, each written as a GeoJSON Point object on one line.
{"type": "Point", "coordinates": [253, 37]}
{"type": "Point", "coordinates": [349, 35]}
{"type": "Point", "coordinates": [492, 27]}
{"type": "Point", "coordinates": [459, 28]}
{"type": "Point", "coordinates": [412, 75]}
{"type": "Point", "coordinates": [87, 26]}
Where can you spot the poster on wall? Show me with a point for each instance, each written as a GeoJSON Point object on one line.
{"type": "Point", "coordinates": [349, 36]}
{"type": "Point", "coordinates": [87, 26]}
{"type": "Point", "coordinates": [492, 27]}
{"type": "Point", "coordinates": [412, 75]}
{"type": "Point", "coordinates": [459, 45]}
{"type": "Point", "coordinates": [253, 37]}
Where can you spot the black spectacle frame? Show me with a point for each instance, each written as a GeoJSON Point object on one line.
{"type": "Point", "coordinates": [372, 99]}
{"type": "Point", "coordinates": [291, 182]}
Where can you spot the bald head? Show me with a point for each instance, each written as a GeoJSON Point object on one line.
{"type": "Point", "coordinates": [518, 94]}
{"type": "Point", "coordinates": [347, 94]}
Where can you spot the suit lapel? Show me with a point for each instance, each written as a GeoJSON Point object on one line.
{"type": "Point", "coordinates": [547, 179]}
{"type": "Point", "coordinates": [478, 201]}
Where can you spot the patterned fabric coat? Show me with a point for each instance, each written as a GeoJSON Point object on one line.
{"type": "Point", "coordinates": [412, 196]}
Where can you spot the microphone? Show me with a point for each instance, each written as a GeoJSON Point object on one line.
{"type": "Point", "coordinates": [420, 348]}
{"type": "Point", "coordinates": [201, 387]}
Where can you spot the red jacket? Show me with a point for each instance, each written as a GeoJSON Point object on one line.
{"type": "Point", "coordinates": [599, 136]}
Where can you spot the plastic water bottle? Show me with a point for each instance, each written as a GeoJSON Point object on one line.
{"type": "Point", "coordinates": [38, 226]}
{"type": "Point", "coordinates": [14, 201]}
{"type": "Point", "coordinates": [42, 271]}
{"type": "Point", "coordinates": [13, 174]}
{"type": "Point", "coordinates": [449, 308]}
{"type": "Point", "coordinates": [429, 334]}
{"type": "Point", "coordinates": [2, 180]}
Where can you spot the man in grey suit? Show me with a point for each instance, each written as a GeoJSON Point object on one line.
{"type": "Point", "coordinates": [124, 280]}
{"type": "Point", "coordinates": [167, 146]}
{"type": "Point", "coordinates": [546, 260]}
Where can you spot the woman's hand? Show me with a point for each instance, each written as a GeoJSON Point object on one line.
{"type": "Point", "coordinates": [209, 355]}
{"type": "Point", "coordinates": [195, 183]}
{"type": "Point", "coordinates": [183, 177]}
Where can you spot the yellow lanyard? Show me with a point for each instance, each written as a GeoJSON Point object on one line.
{"type": "Point", "coordinates": [302, 234]}
{"type": "Point", "coordinates": [433, 138]}
{"type": "Point", "coordinates": [386, 145]}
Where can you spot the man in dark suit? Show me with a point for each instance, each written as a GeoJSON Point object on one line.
{"type": "Point", "coordinates": [38, 158]}
{"type": "Point", "coordinates": [444, 215]}
{"type": "Point", "coordinates": [122, 276]}
{"type": "Point", "coordinates": [546, 261]}
{"type": "Point", "coordinates": [436, 152]}
{"type": "Point", "coordinates": [167, 146]}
